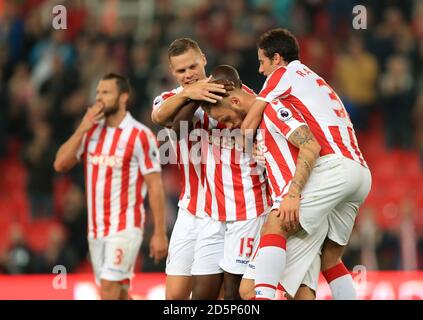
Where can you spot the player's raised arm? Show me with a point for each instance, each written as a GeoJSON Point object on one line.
{"type": "Point", "coordinates": [67, 155]}
{"type": "Point", "coordinates": [159, 241]}
{"type": "Point", "coordinates": [309, 150]}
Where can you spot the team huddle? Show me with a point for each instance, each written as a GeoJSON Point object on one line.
{"type": "Point", "coordinates": [270, 189]}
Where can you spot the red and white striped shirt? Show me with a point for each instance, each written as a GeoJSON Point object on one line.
{"type": "Point", "coordinates": [236, 188]}
{"type": "Point", "coordinates": [192, 190]}
{"type": "Point", "coordinates": [320, 106]}
{"type": "Point", "coordinates": [279, 121]}
{"type": "Point", "coordinates": [115, 162]}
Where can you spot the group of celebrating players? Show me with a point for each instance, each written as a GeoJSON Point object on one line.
{"type": "Point", "coordinates": [251, 220]}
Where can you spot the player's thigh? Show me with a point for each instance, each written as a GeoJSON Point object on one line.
{"type": "Point", "coordinates": [241, 238]}
{"type": "Point", "coordinates": [326, 188]}
{"type": "Point", "coordinates": [308, 288]}
{"type": "Point", "coordinates": [301, 251]}
{"type": "Point", "coordinates": [182, 244]}
{"type": "Point", "coordinates": [208, 251]}
{"type": "Point", "coordinates": [96, 249]}
{"type": "Point", "coordinates": [120, 253]}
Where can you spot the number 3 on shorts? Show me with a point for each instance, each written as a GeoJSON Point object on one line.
{"type": "Point", "coordinates": [118, 257]}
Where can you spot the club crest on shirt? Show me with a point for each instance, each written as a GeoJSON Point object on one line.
{"type": "Point", "coordinates": [284, 114]}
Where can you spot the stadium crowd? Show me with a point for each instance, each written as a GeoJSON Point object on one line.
{"type": "Point", "coordinates": [48, 78]}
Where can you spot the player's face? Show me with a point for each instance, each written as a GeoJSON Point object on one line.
{"type": "Point", "coordinates": [188, 67]}
{"type": "Point", "coordinates": [108, 94]}
{"type": "Point", "coordinates": [228, 116]}
{"type": "Point", "coordinates": [267, 65]}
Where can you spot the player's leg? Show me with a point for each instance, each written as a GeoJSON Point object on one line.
{"type": "Point", "coordinates": [181, 256]}
{"type": "Point", "coordinates": [178, 287]}
{"type": "Point", "coordinates": [231, 285]}
{"type": "Point", "coordinates": [124, 290]}
{"type": "Point", "coordinates": [207, 287]}
{"type": "Point", "coordinates": [110, 290]}
{"type": "Point", "coordinates": [207, 276]}
{"type": "Point", "coordinates": [120, 253]}
{"type": "Point", "coordinates": [241, 238]}
{"type": "Point", "coordinates": [271, 259]}
{"type": "Point", "coordinates": [341, 223]}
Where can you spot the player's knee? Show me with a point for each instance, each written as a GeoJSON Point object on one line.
{"type": "Point", "coordinates": [246, 289]}
{"type": "Point", "coordinates": [331, 254]}
{"type": "Point", "coordinates": [110, 290]}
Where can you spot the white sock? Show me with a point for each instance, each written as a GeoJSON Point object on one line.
{"type": "Point", "coordinates": [341, 283]}
{"type": "Point", "coordinates": [270, 263]}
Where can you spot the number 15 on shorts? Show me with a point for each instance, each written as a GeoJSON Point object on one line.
{"type": "Point", "coordinates": [246, 247]}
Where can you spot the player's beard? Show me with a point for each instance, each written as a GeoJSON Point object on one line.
{"type": "Point", "coordinates": [112, 109]}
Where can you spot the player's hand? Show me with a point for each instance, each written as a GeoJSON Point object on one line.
{"type": "Point", "coordinates": [93, 114]}
{"type": "Point", "coordinates": [158, 246]}
{"type": "Point", "coordinates": [204, 90]}
{"type": "Point", "coordinates": [289, 212]}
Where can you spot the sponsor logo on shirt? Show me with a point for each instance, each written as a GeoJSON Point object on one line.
{"type": "Point", "coordinates": [105, 160]}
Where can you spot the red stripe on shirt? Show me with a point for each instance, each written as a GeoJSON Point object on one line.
{"type": "Point", "coordinates": [125, 179]}
{"type": "Point", "coordinates": [258, 192]}
{"type": "Point", "coordinates": [336, 135]}
{"type": "Point", "coordinates": [193, 183]}
{"type": "Point", "coordinates": [354, 146]}
{"type": "Point", "coordinates": [139, 200]}
{"type": "Point", "coordinates": [241, 211]}
{"type": "Point", "coordinates": [146, 148]}
{"type": "Point", "coordinates": [94, 177]}
{"type": "Point", "coordinates": [85, 154]}
{"type": "Point", "coordinates": [314, 126]}
{"type": "Point", "coordinates": [277, 155]}
{"type": "Point", "coordinates": [108, 184]}
{"type": "Point", "coordinates": [273, 82]}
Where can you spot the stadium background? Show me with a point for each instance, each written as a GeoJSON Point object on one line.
{"type": "Point", "coordinates": [48, 78]}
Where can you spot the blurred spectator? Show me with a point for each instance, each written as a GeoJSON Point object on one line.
{"type": "Point", "coordinates": [38, 156]}
{"type": "Point", "coordinates": [388, 251]}
{"type": "Point", "coordinates": [18, 258]}
{"type": "Point", "coordinates": [58, 252]}
{"type": "Point", "coordinates": [418, 122]}
{"type": "Point", "coordinates": [408, 236]}
{"type": "Point", "coordinates": [396, 102]}
{"type": "Point", "coordinates": [356, 79]}
{"type": "Point", "coordinates": [74, 220]}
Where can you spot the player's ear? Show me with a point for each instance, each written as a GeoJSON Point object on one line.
{"type": "Point", "coordinates": [124, 98]}
{"type": "Point", "coordinates": [204, 59]}
{"type": "Point", "coordinates": [277, 58]}
{"type": "Point", "coordinates": [235, 102]}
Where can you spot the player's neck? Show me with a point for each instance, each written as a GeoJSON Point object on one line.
{"type": "Point", "coordinates": [247, 101]}
{"type": "Point", "coordinates": [114, 120]}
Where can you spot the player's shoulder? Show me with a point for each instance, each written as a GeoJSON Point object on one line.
{"type": "Point", "coordinates": [165, 95]}
{"type": "Point", "coordinates": [141, 127]}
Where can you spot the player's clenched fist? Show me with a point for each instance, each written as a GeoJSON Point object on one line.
{"type": "Point", "coordinates": [93, 114]}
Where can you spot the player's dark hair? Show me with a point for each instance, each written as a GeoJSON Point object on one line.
{"type": "Point", "coordinates": [279, 41]}
{"type": "Point", "coordinates": [222, 74]}
{"type": "Point", "coordinates": [182, 45]}
{"type": "Point", "coordinates": [228, 73]}
{"type": "Point", "coordinates": [122, 84]}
